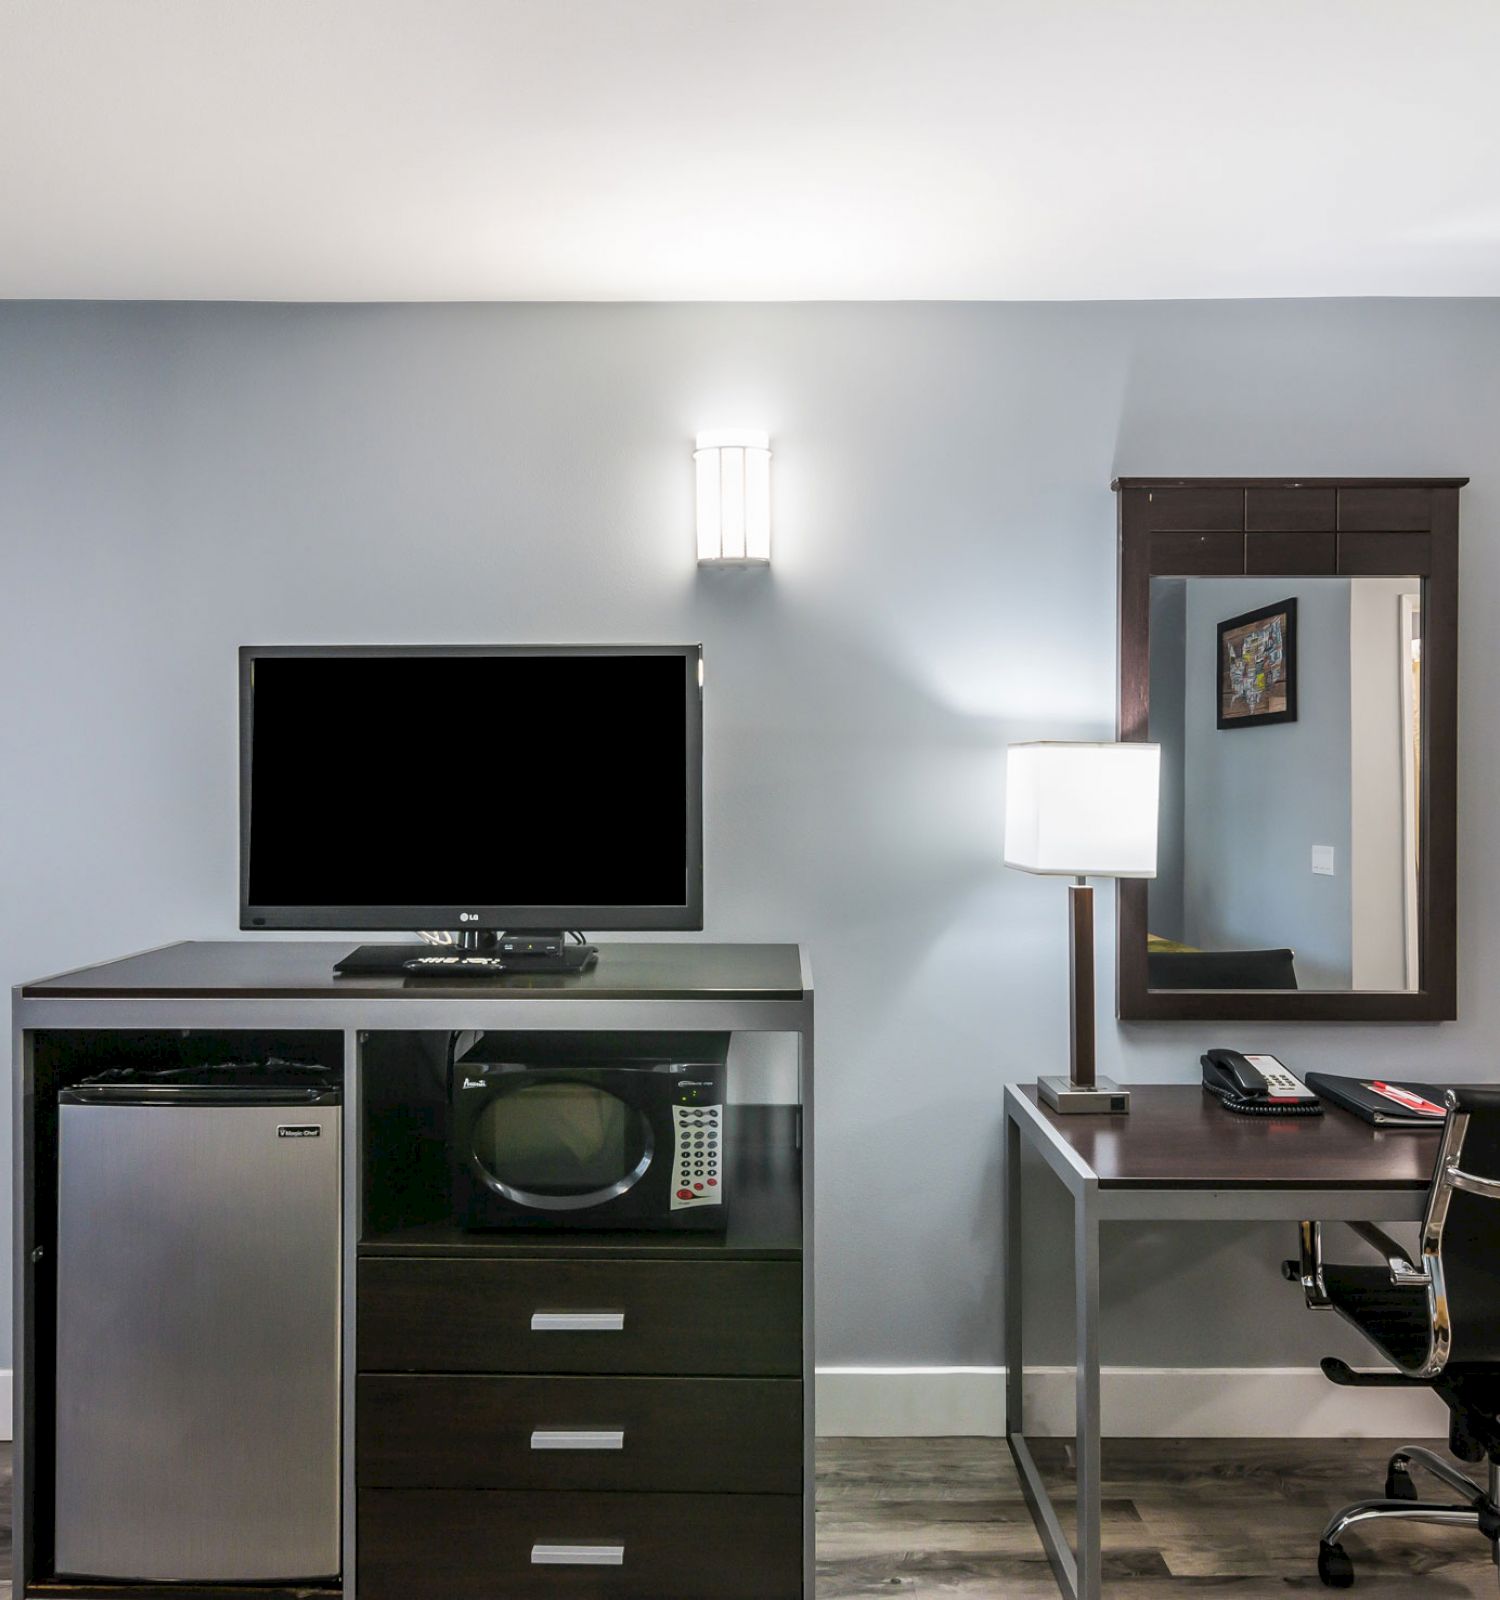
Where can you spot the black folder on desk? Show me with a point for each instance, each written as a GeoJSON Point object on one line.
{"type": "Point", "coordinates": [1352, 1094]}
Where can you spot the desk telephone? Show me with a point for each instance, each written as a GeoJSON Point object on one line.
{"type": "Point", "coordinates": [1257, 1086]}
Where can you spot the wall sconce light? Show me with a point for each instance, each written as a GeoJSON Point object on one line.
{"type": "Point", "coordinates": [734, 496]}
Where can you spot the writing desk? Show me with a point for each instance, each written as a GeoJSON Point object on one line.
{"type": "Point", "coordinates": [1177, 1157]}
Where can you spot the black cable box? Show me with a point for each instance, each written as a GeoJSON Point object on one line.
{"type": "Point", "coordinates": [512, 945]}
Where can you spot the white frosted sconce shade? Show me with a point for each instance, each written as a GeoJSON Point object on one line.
{"type": "Point", "coordinates": [734, 496]}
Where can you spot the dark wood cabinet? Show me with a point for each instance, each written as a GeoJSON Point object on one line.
{"type": "Point", "coordinates": [708, 1378]}
{"type": "Point", "coordinates": [698, 1390]}
{"type": "Point", "coordinates": [674, 1430]}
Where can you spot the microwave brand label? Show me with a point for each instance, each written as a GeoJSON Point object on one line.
{"type": "Point", "coordinates": [298, 1130]}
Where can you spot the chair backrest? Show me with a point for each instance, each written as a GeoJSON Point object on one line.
{"type": "Point", "coordinates": [1461, 1234]}
{"type": "Point", "coordinates": [1221, 969]}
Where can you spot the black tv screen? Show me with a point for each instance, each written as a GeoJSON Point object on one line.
{"type": "Point", "coordinates": [471, 787]}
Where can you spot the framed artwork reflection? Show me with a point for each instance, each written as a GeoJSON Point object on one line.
{"type": "Point", "coordinates": [1258, 667]}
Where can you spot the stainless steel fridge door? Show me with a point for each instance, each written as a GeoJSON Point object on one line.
{"type": "Point", "coordinates": [198, 1342]}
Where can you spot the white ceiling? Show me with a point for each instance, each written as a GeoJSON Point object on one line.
{"type": "Point", "coordinates": [748, 149]}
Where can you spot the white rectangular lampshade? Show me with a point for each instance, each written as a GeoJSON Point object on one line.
{"type": "Point", "coordinates": [734, 495]}
{"type": "Point", "coordinates": [1082, 810]}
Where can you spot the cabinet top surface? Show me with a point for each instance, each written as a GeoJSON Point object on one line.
{"type": "Point", "coordinates": [303, 969]}
{"type": "Point", "coordinates": [1287, 483]}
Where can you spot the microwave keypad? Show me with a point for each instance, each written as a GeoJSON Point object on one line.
{"type": "Point", "coordinates": [697, 1174]}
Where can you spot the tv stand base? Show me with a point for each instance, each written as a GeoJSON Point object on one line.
{"type": "Point", "coordinates": [389, 960]}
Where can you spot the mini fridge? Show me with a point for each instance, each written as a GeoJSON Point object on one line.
{"type": "Point", "coordinates": [198, 1325]}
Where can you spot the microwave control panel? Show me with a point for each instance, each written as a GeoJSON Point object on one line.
{"type": "Point", "coordinates": [697, 1172]}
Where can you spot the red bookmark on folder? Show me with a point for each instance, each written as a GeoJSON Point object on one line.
{"type": "Point", "coordinates": [1405, 1098]}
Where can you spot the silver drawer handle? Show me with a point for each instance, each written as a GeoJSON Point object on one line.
{"type": "Point", "coordinates": [577, 1439]}
{"type": "Point", "coordinates": [578, 1322]}
{"type": "Point", "coordinates": [578, 1555]}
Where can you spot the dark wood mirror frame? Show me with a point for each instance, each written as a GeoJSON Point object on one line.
{"type": "Point", "coordinates": [1332, 527]}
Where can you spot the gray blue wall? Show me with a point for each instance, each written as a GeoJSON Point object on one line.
{"type": "Point", "coordinates": [175, 480]}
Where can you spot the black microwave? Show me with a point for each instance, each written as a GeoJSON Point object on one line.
{"type": "Point", "coordinates": [590, 1131]}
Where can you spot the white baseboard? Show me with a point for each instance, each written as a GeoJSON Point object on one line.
{"type": "Point", "coordinates": [1138, 1403]}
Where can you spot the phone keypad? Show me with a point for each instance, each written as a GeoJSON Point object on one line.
{"type": "Point", "coordinates": [1280, 1084]}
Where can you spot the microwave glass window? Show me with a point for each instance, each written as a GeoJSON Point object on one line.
{"type": "Point", "coordinates": [557, 1138]}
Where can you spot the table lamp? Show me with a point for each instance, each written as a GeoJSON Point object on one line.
{"type": "Point", "coordinates": [1082, 811]}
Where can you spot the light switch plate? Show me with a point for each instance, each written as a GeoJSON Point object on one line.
{"type": "Point", "coordinates": [1322, 860]}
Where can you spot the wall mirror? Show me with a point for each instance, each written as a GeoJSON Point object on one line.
{"type": "Point", "coordinates": [1291, 645]}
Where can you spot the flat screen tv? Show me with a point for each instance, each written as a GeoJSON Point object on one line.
{"type": "Point", "coordinates": [471, 788]}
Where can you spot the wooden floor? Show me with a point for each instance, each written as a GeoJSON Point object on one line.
{"type": "Point", "coordinates": [1237, 1518]}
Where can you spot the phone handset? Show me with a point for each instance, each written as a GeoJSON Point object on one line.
{"type": "Point", "coordinates": [1257, 1085]}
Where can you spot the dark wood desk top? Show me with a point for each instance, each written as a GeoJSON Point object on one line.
{"type": "Point", "coordinates": [1177, 1137]}
{"type": "Point", "coordinates": [303, 969]}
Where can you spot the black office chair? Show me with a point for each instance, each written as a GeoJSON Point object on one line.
{"type": "Point", "coordinates": [1221, 969]}
{"type": "Point", "coordinates": [1437, 1321]}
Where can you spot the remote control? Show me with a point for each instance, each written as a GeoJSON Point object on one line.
{"type": "Point", "coordinates": [697, 1172]}
{"type": "Point", "coordinates": [467, 966]}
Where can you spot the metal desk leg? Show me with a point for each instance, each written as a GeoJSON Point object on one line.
{"type": "Point", "coordinates": [1086, 1419]}
{"type": "Point", "coordinates": [1078, 1577]}
{"type": "Point", "coordinates": [1011, 1355]}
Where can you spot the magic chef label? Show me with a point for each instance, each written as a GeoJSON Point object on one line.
{"type": "Point", "coordinates": [298, 1130]}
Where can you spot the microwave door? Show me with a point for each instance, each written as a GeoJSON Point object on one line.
{"type": "Point", "coordinates": [582, 1145]}
{"type": "Point", "coordinates": [556, 1143]}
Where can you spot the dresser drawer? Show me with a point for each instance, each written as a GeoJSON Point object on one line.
{"type": "Point", "coordinates": [736, 1435]}
{"type": "Point", "coordinates": [481, 1545]}
{"type": "Point", "coordinates": [690, 1318]}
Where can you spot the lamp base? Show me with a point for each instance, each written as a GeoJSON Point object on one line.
{"type": "Point", "coordinates": [1101, 1096]}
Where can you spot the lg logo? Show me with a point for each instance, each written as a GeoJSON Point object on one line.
{"type": "Point", "coordinates": [468, 916]}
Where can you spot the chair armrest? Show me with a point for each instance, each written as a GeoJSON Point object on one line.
{"type": "Point", "coordinates": [1405, 1274]}
{"type": "Point", "coordinates": [1472, 1183]}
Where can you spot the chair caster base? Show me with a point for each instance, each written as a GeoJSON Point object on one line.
{"type": "Point", "coordinates": [1334, 1566]}
{"type": "Point", "coordinates": [1398, 1481]}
